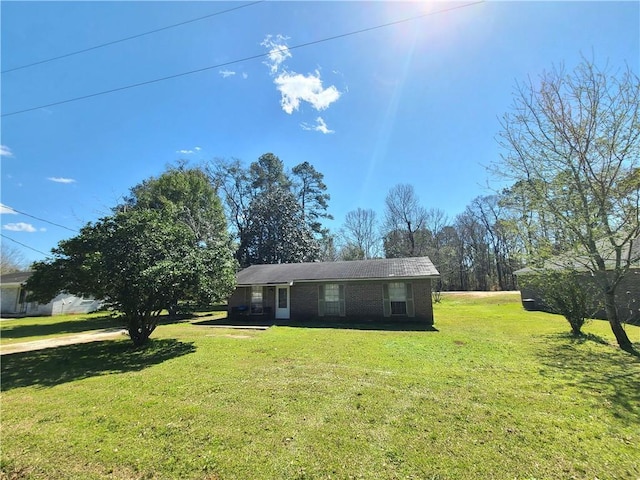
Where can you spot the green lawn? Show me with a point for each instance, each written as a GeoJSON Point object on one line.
{"type": "Point", "coordinates": [16, 330]}
{"type": "Point", "coordinates": [494, 393]}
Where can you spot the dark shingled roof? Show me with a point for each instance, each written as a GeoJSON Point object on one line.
{"type": "Point", "coordinates": [376, 269]}
{"type": "Point", "coordinates": [15, 277]}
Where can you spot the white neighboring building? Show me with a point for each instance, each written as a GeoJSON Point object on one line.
{"type": "Point", "coordinates": [13, 300]}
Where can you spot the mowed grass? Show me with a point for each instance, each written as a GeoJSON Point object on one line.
{"type": "Point", "coordinates": [17, 330]}
{"type": "Point", "coordinates": [494, 393]}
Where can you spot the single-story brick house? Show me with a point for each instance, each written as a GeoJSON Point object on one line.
{"type": "Point", "coordinates": [13, 300]}
{"type": "Point", "coordinates": [360, 290]}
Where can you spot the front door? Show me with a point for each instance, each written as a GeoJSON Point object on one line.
{"type": "Point", "coordinates": [282, 302]}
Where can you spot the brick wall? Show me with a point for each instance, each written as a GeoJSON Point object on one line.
{"type": "Point", "coordinates": [363, 300]}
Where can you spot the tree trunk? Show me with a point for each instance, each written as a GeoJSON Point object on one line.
{"type": "Point", "coordinates": [616, 326]}
{"type": "Point", "coordinates": [140, 328]}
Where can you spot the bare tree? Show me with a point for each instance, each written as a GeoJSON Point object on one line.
{"type": "Point", "coordinates": [12, 260]}
{"type": "Point", "coordinates": [405, 223]}
{"type": "Point", "coordinates": [572, 142]}
{"type": "Point", "coordinates": [360, 233]}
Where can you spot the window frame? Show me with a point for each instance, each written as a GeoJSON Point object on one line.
{"type": "Point", "coordinates": [256, 307]}
{"type": "Point", "coordinates": [338, 301]}
{"type": "Point", "coordinates": [391, 297]}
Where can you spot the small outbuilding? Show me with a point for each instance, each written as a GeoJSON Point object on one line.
{"type": "Point", "coordinates": [628, 288]}
{"type": "Point", "coordinates": [13, 300]}
{"type": "Point", "coordinates": [360, 290]}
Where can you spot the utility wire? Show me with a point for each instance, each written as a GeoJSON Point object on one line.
{"type": "Point", "coordinates": [42, 219]}
{"type": "Point", "coordinates": [25, 246]}
{"type": "Point", "coordinates": [95, 47]}
{"type": "Point", "coordinates": [245, 59]}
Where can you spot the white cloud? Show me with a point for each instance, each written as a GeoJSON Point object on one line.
{"type": "Point", "coordinates": [226, 73]}
{"type": "Point", "coordinates": [295, 87]}
{"type": "Point", "coordinates": [61, 180]}
{"type": "Point", "coordinates": [19, 227]}
{"type": "Point", "coordinates": [278, 51]}
{"type": "Point", "coordinates": [6, 209]}
{"type": "Point", "coordinates": [5, 151]}
{"type": "Point", "coordinates": [320, 126]}
{"type": "Point", "coordinates": [189, 151]}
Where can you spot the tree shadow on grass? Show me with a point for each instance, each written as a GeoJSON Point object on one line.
{"type": "Point", "coordinates": [614, 375]}
{"type": "Point", "coordinates": [80, 325]}
{"type": "Point", "coordinates": [15, 330]}
{"type": "Point", "coordinates": [54, 366]}
{"type": "Point", "coordinates": [343, 323]}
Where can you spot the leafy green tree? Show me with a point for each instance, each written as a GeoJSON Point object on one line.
{"type": "Point", "coordinates": [149, 254]}
{"type": "Point", "coordinates": [277, 233]}
{"type": "Point", "coordinates": [311, 191]}
{"type": "Point", "coordinates": [259, 221]}
{"type": "Point", "coordinates": [267, 174]}
{"type": "Point", "coordinates": [189, 193]}
{"type": "Point", "coordinates": [565, 292]}
{"type": "Point", "coordinates": [572, 143]}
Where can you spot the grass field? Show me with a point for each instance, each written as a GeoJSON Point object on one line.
{"type": "Point", "coordinates": [494, 393]}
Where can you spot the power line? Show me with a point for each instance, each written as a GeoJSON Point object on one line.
{"type": "Point", "coordinates": [113, 42]}
{"type": "Point", "coordinates": [42, 219]}
{"type": "Point", "coordinates": [245, 59]}
{"type": "Point", "coordinates": [25, 246]}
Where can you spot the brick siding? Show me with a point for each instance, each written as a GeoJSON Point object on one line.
{"type": "Point", "coordinates": [363, 300]}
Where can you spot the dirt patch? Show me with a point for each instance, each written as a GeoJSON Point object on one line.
{"type": "Point", "coordinates": [483, 294]}
{"type": "Point", "coordinates": [60, 341]}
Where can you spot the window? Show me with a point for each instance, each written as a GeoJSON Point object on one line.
{"type": "Point", "coordinates": [398, 298]}
{"type": "Point", "coordinates": [331, 301]}
{"type": "Point", "coordinates": [282, 297]}
{"type": "Point", "coordinates": [256, 300]}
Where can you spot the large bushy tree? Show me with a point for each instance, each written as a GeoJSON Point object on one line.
{"type": "Point", "coordinates": [147, 256]}
{"type": "Point", "coordinates": [262, 200]}
{"type": "Point", "coordinates": [277, 232]}
{"type": "Point", "coordinates": [572, 148]}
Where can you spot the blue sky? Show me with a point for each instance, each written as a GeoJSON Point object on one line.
{"type": "Point", "coordinates": [416, 103]}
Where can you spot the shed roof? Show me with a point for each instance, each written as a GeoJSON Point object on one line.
{"type": "Point", "coordinates": [581, 262]}
{"type": "Point", "coordinates": [14, 278]}
{"type": "Point", "coordinates": [374, 269]}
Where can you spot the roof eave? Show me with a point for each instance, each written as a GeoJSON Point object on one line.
{"type": "Point", "coordinates": [339, 280]}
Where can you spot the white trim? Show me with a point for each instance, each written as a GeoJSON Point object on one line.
{"type": "Point", "coordinates": [283, 313]}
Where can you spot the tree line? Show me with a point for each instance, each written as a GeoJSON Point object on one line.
{"type": "Point", "coordinates": [275, 216]}
{"type": "Point", "coordinates": [571, 147]}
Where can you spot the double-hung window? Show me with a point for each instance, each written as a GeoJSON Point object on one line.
{"type": "Point", "coordinates": [331, 300]}
{"type": "Point", "coordinates": [398, 299]}
{"type": "Point", "coordinates": [256, 300]}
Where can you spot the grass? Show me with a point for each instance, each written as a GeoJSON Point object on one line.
{"type": "Point", "coordinates": [27, 329]}
{"type": "Point", "coordinates": [495, 392]}
{"type": "Point", "coordinates": [17, 330]}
